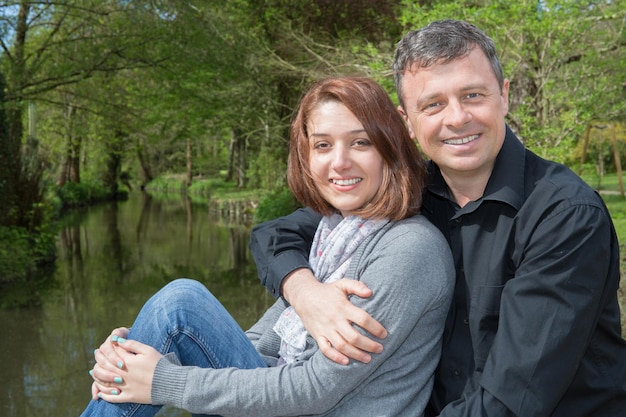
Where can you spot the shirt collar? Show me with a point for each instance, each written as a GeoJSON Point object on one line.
{"type": "Point", "coordinates": [506, 183]}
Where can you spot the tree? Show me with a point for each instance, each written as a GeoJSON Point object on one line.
{"type": "Point", "coordinates": [45, 46]}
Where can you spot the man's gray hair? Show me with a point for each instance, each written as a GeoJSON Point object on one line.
{"type": "Point", "coordinates": [439, 43]}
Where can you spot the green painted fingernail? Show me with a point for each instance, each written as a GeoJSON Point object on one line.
{"type": "Point", "coordinates": [91, 372]}
{"type": "Point", "coordinates": [114, 338]}
{"type": "Point", "coordinates": [120, 365]}
{"type": "Point", "coordinates": [95, 351]}
{"type": "Point", "coordinates": [120, 340]}
{"type": "Point", "coordinates": [117, 380]}
{"type": "Point", "coordinates": [114, 392]}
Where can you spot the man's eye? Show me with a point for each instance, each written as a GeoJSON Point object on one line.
{"type": "Point", "coordinates": [433, 105]}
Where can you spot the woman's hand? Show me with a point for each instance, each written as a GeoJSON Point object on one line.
{"type": "Point", "coordinates": [136, 377]}
{"type": "Point", "coordinates": [109, 361]}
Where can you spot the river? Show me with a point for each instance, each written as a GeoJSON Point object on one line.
{"type": "Point", "coordinates": [111, 259]}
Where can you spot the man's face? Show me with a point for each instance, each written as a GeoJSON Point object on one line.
{"type": "Point", "coordinates": [456, 112]}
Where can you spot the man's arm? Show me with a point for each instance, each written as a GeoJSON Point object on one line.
{"type": "Point", "coordinates": [281, 250]}
{"type": "Point", "coordinates": [282, 246]}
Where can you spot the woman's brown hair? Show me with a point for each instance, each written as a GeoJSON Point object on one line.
{"type": "Point", "coordinates": [404, 172]}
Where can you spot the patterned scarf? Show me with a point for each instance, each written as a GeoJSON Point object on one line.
{"type": "Point", "coordinates": [335, 241]}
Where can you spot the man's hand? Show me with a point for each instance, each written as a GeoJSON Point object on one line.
{"type": "Point", "coordinates": [328, 316]}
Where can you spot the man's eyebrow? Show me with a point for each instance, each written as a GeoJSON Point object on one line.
{"type": "Point", "coordinates": [434, 96]}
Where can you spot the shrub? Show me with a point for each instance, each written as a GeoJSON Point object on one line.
{"type": "Point", "coordinates": [76, 194]}
{"type": "Point", "coordinates": [276, 204]}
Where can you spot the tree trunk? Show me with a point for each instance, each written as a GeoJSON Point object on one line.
{"type": "Point", "coordinates": [70, 167]}
{"type": "Point", "coordinates": [237, 158]}
{"type": "Point", "coordinates": [113, 166]}
{"type": "Point", "coordinates": [144, 165]}
{"type": "Point", "coordinates": [5, 158]}
{"type": "Point", "coordinates": [189, 164]}
{"type": "Point", "coordinates": [231, 155]}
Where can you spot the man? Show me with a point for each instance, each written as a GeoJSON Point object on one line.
{"type": "Point", "coordinates": [534, 328]}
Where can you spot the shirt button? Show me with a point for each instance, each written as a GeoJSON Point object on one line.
{"type": "Point", "coordinates": [457, 372]}
{"type": "Point", "coordinates": [465, 321]}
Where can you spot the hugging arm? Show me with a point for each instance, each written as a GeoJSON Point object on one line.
{"type": "Point", "coordinates": [281, 249]}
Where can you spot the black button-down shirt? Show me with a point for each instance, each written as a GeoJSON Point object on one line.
{"type": "Point", "coordinates": [534, 327]}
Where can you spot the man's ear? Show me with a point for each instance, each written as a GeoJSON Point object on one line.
{"type": "Point", "coordinates": [406, 121]}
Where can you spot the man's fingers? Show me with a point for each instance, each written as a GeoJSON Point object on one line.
{"type": "Point", "coordinates": [333, 354]}
{"type": "Point", "coordinates": [353, 287]}
{"type": "Point", "coordinates": [348, 350]}
{"type": "Point", "coordinates": [359, 316]}
{"type": "Point", "coordinates": [366, 322]}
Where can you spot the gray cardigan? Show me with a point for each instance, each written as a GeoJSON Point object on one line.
{"type": "Point", "coordinates": [409, 268]}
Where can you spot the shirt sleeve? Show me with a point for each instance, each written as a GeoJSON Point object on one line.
{"type": "Point", "coordinates": [548, 313]}
{"type": "Point", "coordinates": [281, 246]}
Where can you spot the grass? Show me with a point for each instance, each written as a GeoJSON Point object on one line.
{"type": "Point", "coordinates": [609, 188]}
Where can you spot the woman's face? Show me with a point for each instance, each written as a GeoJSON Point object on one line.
{"type": "Point", "coordinates": [346, 167]}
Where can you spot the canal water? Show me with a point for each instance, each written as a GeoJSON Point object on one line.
{"type": "Point", "coordinates": [111, 259]}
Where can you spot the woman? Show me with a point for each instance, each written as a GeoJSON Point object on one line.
{"type": "Point", "coordinates": [351, 159]}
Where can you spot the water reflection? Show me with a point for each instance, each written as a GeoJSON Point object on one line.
{"type": "Point", "coordinates": [111, 259]}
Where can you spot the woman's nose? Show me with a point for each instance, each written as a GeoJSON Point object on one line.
{"type": "Point", "coordinates": [341, 158]}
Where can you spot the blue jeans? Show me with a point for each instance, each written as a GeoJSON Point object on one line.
{"type": "Point", "coordinates": [185, 318]}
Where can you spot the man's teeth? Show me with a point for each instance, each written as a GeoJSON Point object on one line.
{"type": "Point", "coordinates": [460, 141]}
{"type": "Point", "coordinates": [347, 182]}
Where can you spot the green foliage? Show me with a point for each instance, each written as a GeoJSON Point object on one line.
{"type": "Point", "coordinates": [269, 168]}
{"type": "Point", "coordinates": [211, 186]}
{"type": "Point", "coordinates": [167, 183]}
{"type": "Point", "coordinates": [126, 86]}
{"type": "Point", "coordinates": [72, 194]}
{"type": "Point", "coordinates": [25, 262]}
{"type": "Point", "coordinates": [278, 203]}
{"type": "Point", "coordinates": [15, 253]}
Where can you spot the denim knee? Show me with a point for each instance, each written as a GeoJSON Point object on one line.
{"type": "Point", "coordinates": [182, 293]}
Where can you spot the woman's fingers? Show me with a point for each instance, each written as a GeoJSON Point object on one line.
{"type": "Point", "coordinates": [110, 394]}
{"type": "Point", "coordinates": [105, 377]}
{"type": "Point", "coordinates": [107, 353]}
{"type": "Point", "coordinates": [136, 377]}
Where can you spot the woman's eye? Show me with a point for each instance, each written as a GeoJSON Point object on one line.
{"type": "Point", "coordinates": [363, 142]}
